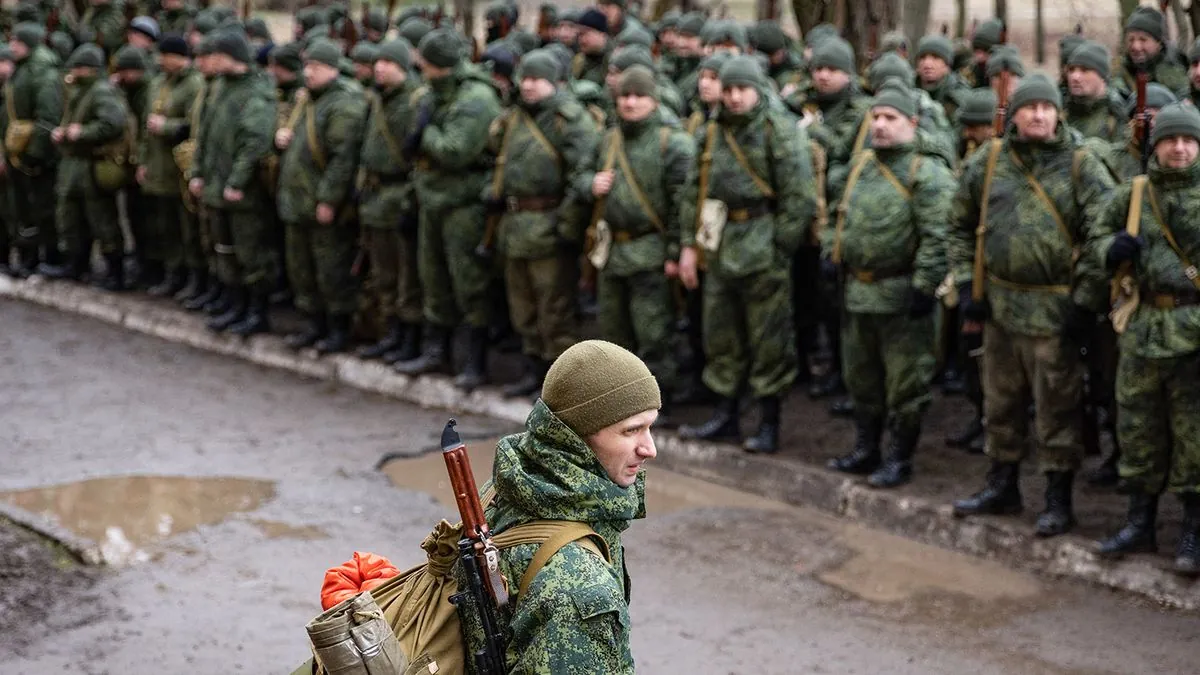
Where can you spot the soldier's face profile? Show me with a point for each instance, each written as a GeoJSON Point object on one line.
{"type": "Point", "coordinates": [739, 99]}
{"type": "Point", "coordinates": [932, 68]}
{"type": "Point", "coordinates": [1084, 82]}
{"type": "Point", "coordinates": [536, 89]}
{"type": "Point", "coordinates": [623, 448]}
{"type": "Point", "coordinates": [709, 87]}
{"type": "Point", "coordinates": [318, 75]}
{"type": "Point", "coordinates": [1177, 152]}
{"type": "Point", "coordinates": [388, 73]}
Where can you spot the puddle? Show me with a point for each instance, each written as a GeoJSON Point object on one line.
{"type": "Point", "coordinates": [273, 529]}
{"type": "Point", "coordinates": [125, 514]}
{"type": "Point", "coordinates": [666, 492]}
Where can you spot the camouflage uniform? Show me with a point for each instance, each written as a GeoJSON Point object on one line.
{"type": "Point", "coordinates": [148, 248]}
{"type": "Point", "coordinates": [948, 92]}
{"type": "Point", "coordinates": [843, 115]}
{"type": "Point", "coordinates": [591, 67]}
{"type": "Point", "coordinates": [1163, 70]}
{"type": "Point", "coordinates": [636, 306]}
{"type": "Point", "coordinates": [175, 20]}
{"type": "Point", "coordinates": [1102, 117]}
{"type": "Point", "coordinates": [541, 230]}
{"type": "Point", "coordinates": [575, 618]}
{"type": "Point", "coordinates": [34, 92]}
{"type": "Point", "coordinates": [102, 23]}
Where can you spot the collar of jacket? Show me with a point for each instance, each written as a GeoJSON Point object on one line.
{"type": "Point", "coordinates": [1030, 151]}
{"type": "Point", "coordinates": [1174, 179]}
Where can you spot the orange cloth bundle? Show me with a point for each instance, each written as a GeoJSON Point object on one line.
{"type": "Point", "coordinates": [361, 573]}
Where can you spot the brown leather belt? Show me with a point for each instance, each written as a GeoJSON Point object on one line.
{"type": "Point", "coordinates": [872, 276]}
{"type": "Point", "coordinates": [513, 204]}
{"type": "Point", "coordinates": [750, 213]}
{"type": "Point", "coordinates": [1172, 300]}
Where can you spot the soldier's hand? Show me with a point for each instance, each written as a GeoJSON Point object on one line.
{"type": "Point", "coordinates": [196, 186]}
{"type": "Point", "coordinates": [1125, 248]}
{"type": "Point", "coordinates": [283, 138]}
{"type": "Point", "coordinates": [671, 269]}
{"type": "Point", "coordinates": [324, 214]}
{"type": "Point", "coordinates": [809, 119]}
{"type": "Point", "coordinates": [140, 176]}
{"type": "Point", "coordinates": [232, 195]}
{"type": "Point", "coordinates": [602, 183]}
{"type": "Point", "coordinates": [688, 262]}
{"type": "Point", "coordinates": [155, 123]}
{"type": "Point", "coordinates": [58, 134]}
{"type": "Point", "coordinates": [74, 131]}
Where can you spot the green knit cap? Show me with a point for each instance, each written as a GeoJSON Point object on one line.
{"type": "Point", "coordinates": [741, 71]}
{"type": "Point", "coordinates": [364, 53]}
{"type": "Point", "coordinates": [1157, 98]}
{"type": "Point", "coordinates": [987, 35]}
{"type": "Point", "coordinates": [722, 32]}
{"type": "Point", "coordinates": [396, 51]}
{"type": "Point", "coordinates": [769, 36]}
{"type": "Point", "coordinates": [442, 48]}
{"type": "Point", "coordinates": [634, 37]}
{"type": "Point", "coordinates": [287, 57]}
{"type": "Point", "coordinates": [540, 64]}
{"type": "Point", "coordinates": [833, 53]}
{"type": "Point", "coordinates": [819, 34]}
{"type": "Point", "coordinates": [896, 94]}
{"type": "Point", "coordinates": [893, 41]}
{"type": "Point", "coordinates": [595, 384]}
{"type": "Point", "coordinates": [1005, 58]}
{"type": "Point", "coordinates": [324, 51]}
{"type": "Point", "coordinates": [414, 30]}
{"type": "Point", "coordinates": [715, 61]}
{"type": "Point", "coordinates": [86, 55]}
{"type": "Point", "coordinates": [978, 107]}
{"type": "Point", "coordinates": [129, 57]}
{"type": "Point", "coordinates": [632, 56]}
{"type": "Point", "coordinates": [937, 45]}
{"type": "Point", "coordinates": [1067, 45]}
{"type": "Point", "coordinates": [1177, 119]}
{"type": "Point", "coordinates": [1147, 20]}
{"type": "Point", "coordinates": [30, 34]}
{"type": "Point", "coordinates": [888, 65]}
{"type": "Point", "coordinates": [638, 80]}
{"type": "Point", "coordinates": [1036, 87]}
{"type": "Point", "coordinates": [1093, 56]}
{"type": "Point", "coordinates": [690, 24]}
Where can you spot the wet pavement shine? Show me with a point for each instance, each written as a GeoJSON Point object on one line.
{"type": "Point", "coordinates": [223, 491]}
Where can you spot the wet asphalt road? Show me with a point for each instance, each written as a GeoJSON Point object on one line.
{"type": "Point", "coordinates": [225, 490]}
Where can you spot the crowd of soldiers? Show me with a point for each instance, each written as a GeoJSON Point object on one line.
{"type": "Point", "coordinates": [722, 191]}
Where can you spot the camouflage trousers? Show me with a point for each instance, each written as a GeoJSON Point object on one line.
{"type": "Point", "coordinates": [749, 337]}
{"type": "Point", "coordinates": [393, 279]}
{"type": "Point", "coordinates": [139, 210]}
{"type": "Point", "coordinates": [31, 210]}
{"type": "Point", "coordinates": [319, 258]}
{"type": "Point", "coordinates": [541, 303]}
{"type": "Point", "coordinates": [194, 244]}
{"type": "Point", "coordinates": [84, 218]}
{"type": "Point", "coordinates": [161, 237]}
{"type": "Point", "coordinates": [245, 256]}
{"type": "Point", "coordinates": [888, 365]}
{"type": "Point", "coordinates": [1157, 424]}
{"type": "Point", "coordinates": [1023, 369]}
{"type": "Point", "coordinates": [638, 312]}
{"type": "Point", "coordinates": [454, 280]}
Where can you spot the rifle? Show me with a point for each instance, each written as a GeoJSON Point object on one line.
{"type": "Point", "coordinates": [1163, 6]}
{"type": "Point", "coordinates": [349, 29]}
{"type": "Point", "coordinates": [485, 592]}
{"type": "Point", "coordinates": [1142, 118]}
{"type": "Point", "coordinates": [52, 21]}
{"type": "Point", "coordinates": [438, 15]}
{"type": "Point", "coordinates": [244, 10]}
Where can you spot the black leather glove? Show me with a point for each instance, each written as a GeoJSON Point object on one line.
{"type": "Point", "coordinates": [495, 205]}
{"type": "Point", "coordinates": [413, 142]}
{"type": "Point", "coordinates": [829, 271]}
{"type": "Point", "coordinates": [973, 310]}
{"type": "Point", "coordinates": [1079, 325]}
{"type": "Point", "coordinates": [921, 305]}
{"type": "Point", "coordinates": [1125, 248]}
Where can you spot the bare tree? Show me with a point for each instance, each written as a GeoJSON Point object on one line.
{"type": "Point", "coordinates": [1039, 33]}
{"type": "Point", "coordinates": [960, 18]}
{"type": "Point", "coordinates": [809, 13]}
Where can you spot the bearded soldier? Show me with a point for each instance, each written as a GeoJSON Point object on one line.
{"type": "Point", "coordinates": [387, 206]}
{"type": "Point", "coordinates": [755, 167]}
{"type": "Point", "coordinates": [889, 242]}
{"type": "Point", "coordinates": [316, 180]}
{"type": "Point", "coordinates": [546, 144]}
{"type": "Point", "coordinates": [1034, 198]}
{"type": "Point", "coordinates": [1158, 377]}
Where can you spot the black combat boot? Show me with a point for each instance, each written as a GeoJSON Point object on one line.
{"type": "Point", "coordinates": [338, 338]}
{"type": "Point", "coordinates": [864, 458]}
{"type": "Point", "coordinates": [1001, 495]}
{"type": "Point", "coordinates": [317, 328]}
{"type": "Point", "coordinates": [1187, 554]}
{"type": "Point", "coordinates": [766, 440]}
{"type": "Point", "coordinates": [26, 263]}
{"type": "Point", "coordinates": [173, 280]}
{"type": "Point", "coordinates": [435, 358]}
{"type": "Point", "coordinates": [531, 380]}
{"type": "Point", "coordinates": [256, 319]}
{"type": "Point", "coordinates": [474, 372]}
{"type": "Point", "coordinates": [234, 313]}
{"type": "Point", "coordinates": [71, 267]}
{"type": "Point", "coordinates": [150, 273]}
{"type": "Point", "coordinates": [1059, 517]}
{"type": "Point", "coordinates": [390, 341]}
{"type": "Point", "coordinates": [829, 385]}
{"type": "Point", "coordinates": [722, 426]}
{"type": "Point", "coordinates": [212, 290]}
{"type": "Point", "coordinates": [897, 465]}
{"type": "Point", "coordinates": [221, 302]}
{"type": "Point", "coordinates": [409, 348]}
{"type": "Point", "coordinates": [113, 278]}
{"type": "Point", "coordinates": [843, 407]}
{"type": "Point", "coordinates": [1138, 535]}
{"type": "Point", "coordinates": [967, 435]}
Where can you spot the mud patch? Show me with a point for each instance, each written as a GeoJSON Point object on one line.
{"type": "Point", "coordinates": [126, 514]}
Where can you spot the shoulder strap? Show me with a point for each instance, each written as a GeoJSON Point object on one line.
{"type": "Point", "coordinates": [985, 196]}
{"type": "Point", "coordinates": [1040, 191]}
{"type": "Point", "coordinates": [1133, 220]}
{"type": "Point", "coordinates": [1189, 269]}
{"type": "Point", "coordinates": [820, 168]}
{"type": "Point", "coordinates": [905, 191]}
{"type": "Point", "coordinates": [502, 156]}
{"type": "Point", "coordinates": [552, 535]}
{"type": "Point", "coordinates": [638, 192]}
{"type": "Point", "coordinates": [381, 125]}
{"type": "Point", "coordinates": [614, 143]}
{"type": "Point", "coordinates": [844, 205]}
{"type": "Point", "coordinates": [860, 139]}
{"type": "Point", "coordinates": [9, 106]}
{"type": "Point", "coordinates": [537, 134]}
{"type": "Point", "coordinates": [710, 135]}
{"type": "Point", "coordinates": [310, 129]}
{"type": "Point", "coordinates": [740, 156]}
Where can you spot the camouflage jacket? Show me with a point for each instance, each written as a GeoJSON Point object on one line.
{"type": "Point", "coordinates": [173, 97]}
{"type": "Point", "coordinates": [104, 25]}
{"type": "Point", "coordinates": [1154, 332]}
{"type": "Point", "coordinates": [575, 618]}
{"type": "Point", "coordinates": [454, 156]}
{"type": "Point", "coordinates": [387, 190]}
{"type": "Point", "coordinates": [1164, 70]}
{"type": "Point", "coordinates": [175, 20]}
{"type": "Point", "coordinates": [35, 91]}
{"type": "Point", "coordinates": [98, 106]}
{"type": "Point", "coordinates": [893, 235]}
{"type": "Point", "coordinates": [684, 70]}
{"type": "Point", "coordinates": [320, 167]}
{"type": "Point", "coordinates": [948, 92]}
{"type": "Point", "coordinates": [668, 97]}
{"type": "Point", "coordinates": [1029, 258]}
{"type": "Point", "coordinates": [545, 151]}
{"type": "Point", "coordinates": [842, 116]}
{"type": "Point", "coordinates": [137, 97]}
{"type": "Point", "coordinates": [974, 75]}
{"type": "Point", "coordinates": [789, 71]}
{"type": "Point", "coordinates": [590, 67]}
{"type": "Point", "coordinates": [778, 153]}
{"type": "Point", "coordinates": [1122, 158]}
{"type": "Point", "coordinates": [1102, 117]}
{"type": "Point", "coordinates": [661, 155]}
{"type": "Point", "coordinates": [234, 140]}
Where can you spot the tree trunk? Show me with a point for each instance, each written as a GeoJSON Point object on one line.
{"type": "Point", "coordinates": [1039, 33]}
{"type": "Point", "coordinates": [1127, 7]}
{"type": "Point", "coordinates": [915, 20]}
{"type": "Point", "coordinates": [808, 13]}
{"type": "Point", "coordinates": [1002, 10]}
{"type": "Point", "coordinates": [960, 19]}
{"type": "Point", "coordinates": [1183, 34]}
{"type": "Point", "coordinates": [1193, 12]}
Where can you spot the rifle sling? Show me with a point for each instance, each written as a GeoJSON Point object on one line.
{"type": "Point", "coordinates": [631, 179]}
{"type": "Point", "coordinates": [614, 140]}
{"type": "Point", "coordinates": [740, 156]}
{"type": "Point", "coordinates": [1189, 269]}
{"type": "Point", "coordinates": [381, 125]}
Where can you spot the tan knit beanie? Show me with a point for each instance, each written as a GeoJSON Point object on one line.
{"type": "Point", "coordinates": [595, 384]}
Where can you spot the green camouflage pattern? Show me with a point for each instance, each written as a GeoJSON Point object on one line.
{"type": "Point", "coordinates": [531, 170]}
{"type": "Point", "coordinates": [575, 617]}
{"type": "Point", "coordinates": [171, 96]}
{"type": "Point", "coordinates": [748, 333]}
{"type": "Point", "coordinates": [637, 311]}
{"type": "Point", "coordinates": [387, 192]}
{"type": "Point", "coordinates": [1103, 117]}
{"type": "Point", "coordinates": [788, 71]}
{"type": "Point", "coordinates": [662, 165]}
{"type": "Point", "coordinates": [947, 92]}
{"type": "Point", "coordinates": [1122, 158]}
{"type": "Point", "coordinates": [900, 239]}
{"type": "Point", "coordinates": [1156, 423]}
{"type": "Point", "coordinates": [1019, 369]}
{"type": "Point", "coordinates": [319, 258]}
{"type": "Point", "coordinates": [888, 364]}
{"type": "Point", "coordinates": [685, 69]}
{"type": "Point", "coordinates": [541, 302]}
{"type": "Point", "coordinates": [1164, 70]}
{"type": "Point", "coordinates": [1155, 333]}
{"type": "Point", "coordinates": [175, 20]}
{"type": "Point", "coordinates": [393, 281]}
{"type": "Point", "coordinates": [235, 138]}
{"type": "Point", "coordinates": [103, 25]}
{"type": "Point", "coordinates": [974, 75]}
{"type": "Point", "coordinates": [590, 67]}
{"type": "Point", "coordinates": [841, 116]}
{"type": "Point", "coordinates": [1024, 245]}
{"type": "Point", "coordinates": [84, 213]}
{"type": "Point", "coordinates": [339, 113]}
{"type": "Point", "coordinates": [36, 88]}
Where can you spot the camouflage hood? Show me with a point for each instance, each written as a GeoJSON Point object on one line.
{"type": "Point", "coordinates": [548, 472]}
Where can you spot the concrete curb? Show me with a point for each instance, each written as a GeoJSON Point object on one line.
{"type": "Point", "coordinates": [84, 550]}
{"type": "Point", "coordinates": [786, 480]}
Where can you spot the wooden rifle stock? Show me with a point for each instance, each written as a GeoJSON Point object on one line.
{"type": "Point", "coordinates": [1142, 115]}
{"type": "Point", "coordinates": [474, 525]}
